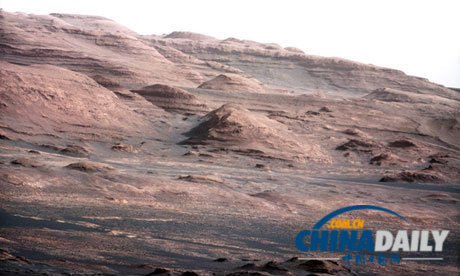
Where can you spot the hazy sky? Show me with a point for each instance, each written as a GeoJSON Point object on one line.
{"type": "Point", "coordinates": [419, 37]}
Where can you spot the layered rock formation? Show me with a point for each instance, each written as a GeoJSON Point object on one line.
{"type": "Point", "coordinates": [99, 46]}
{"type": "Point", "coordinates": [292, 69]}
{"type": "Point", "coordinates": [234, 127]}
{"type": "Point", "coordinates": [89, 45]}
{"type": "Point", "coordinates": [171, 98]}
{"type": "Point", "coordinates": [233, 83]}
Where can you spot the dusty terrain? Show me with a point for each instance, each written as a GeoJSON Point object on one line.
{"type": "Point", "coordinates": [182, 154]}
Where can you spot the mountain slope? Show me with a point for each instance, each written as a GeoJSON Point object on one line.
{"type": "Point", "coordinates": [293, 70]}
{"type": "Point", "coordinates": [99, 46]}
{"type": "Point", "coordinates": [47, 100]}
{"type": "Point", "coordinates": [29, 39]}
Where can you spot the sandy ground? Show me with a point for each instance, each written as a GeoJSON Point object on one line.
{"type": "Point", "coordinates": [140, 214]}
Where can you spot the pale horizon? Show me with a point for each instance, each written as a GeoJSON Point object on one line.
{"type": "Point", "coordinates": [417, 37]}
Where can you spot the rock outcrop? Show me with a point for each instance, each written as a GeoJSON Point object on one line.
{"type": "Point", "coordinates": [232, 82]}
{"type": "Point", "coordinates": [249, 133]}
{"type": "Point", "coordinates": [396, 95]}
{"type": "Point", "coordinates": [170, 98]}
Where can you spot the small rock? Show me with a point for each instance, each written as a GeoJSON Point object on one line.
{"type": "Point", "coordinates": [191, 153]}
{"type": "Point", "coordinates": [273, 266]}
{"type": "Point", "coordinates": [440, 197]}
{"type": "Point", "coordinates": [248, 266]}
{"type": "Point", "coordinates": [124, 148]}
{"type": "Point", "coordinates": [4, 137]}
{"type": "Point", "coordinates": [189, 273]}
{"type": "Point", "coordinates": [74, 150]}
{"type": "Point", "coordinates": [319, 266]}
{"type": "Point", "coordinates": [437, 160]}
{"type": "Point", "coordinates": [5, 256]}
{"type": "Point", "coordinates": [50, 147]}
{"type": "Point", "coordinates": [201, 179]}
{"type": "Point", "coordinates": [261, 166]}
{"type": "Point", "coordinates": [403, 143]}
{"type": "Point", "coordinates": [160, 271]}
{"type": "Point", "coordinates": [201, 154]}
{"type": "Point", "coordinates": [25, 162]}
{"type": "Point", "coordinates": [411, 176]}
{"type": "Point", "coordinates": [11, 178]}
{"type": "Point", "coordinates": [247, 273]}
{"type": "Point", "coordinates": [87, 166]}
{"type": "Point", "coordinates": [146, 266]}
{"type": "Point", "coordinates": [356, 145]}
{"type": "Point", "coordinates": [378, 160]}
{"type": "Point", "coordinates": [314, 113]}
{"type": "Point", "coordinates": [353, 132]}
{"type": "Point", "coordinates": [429, 168]}
{"type": "Point", "coordinates": [325, 109]}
